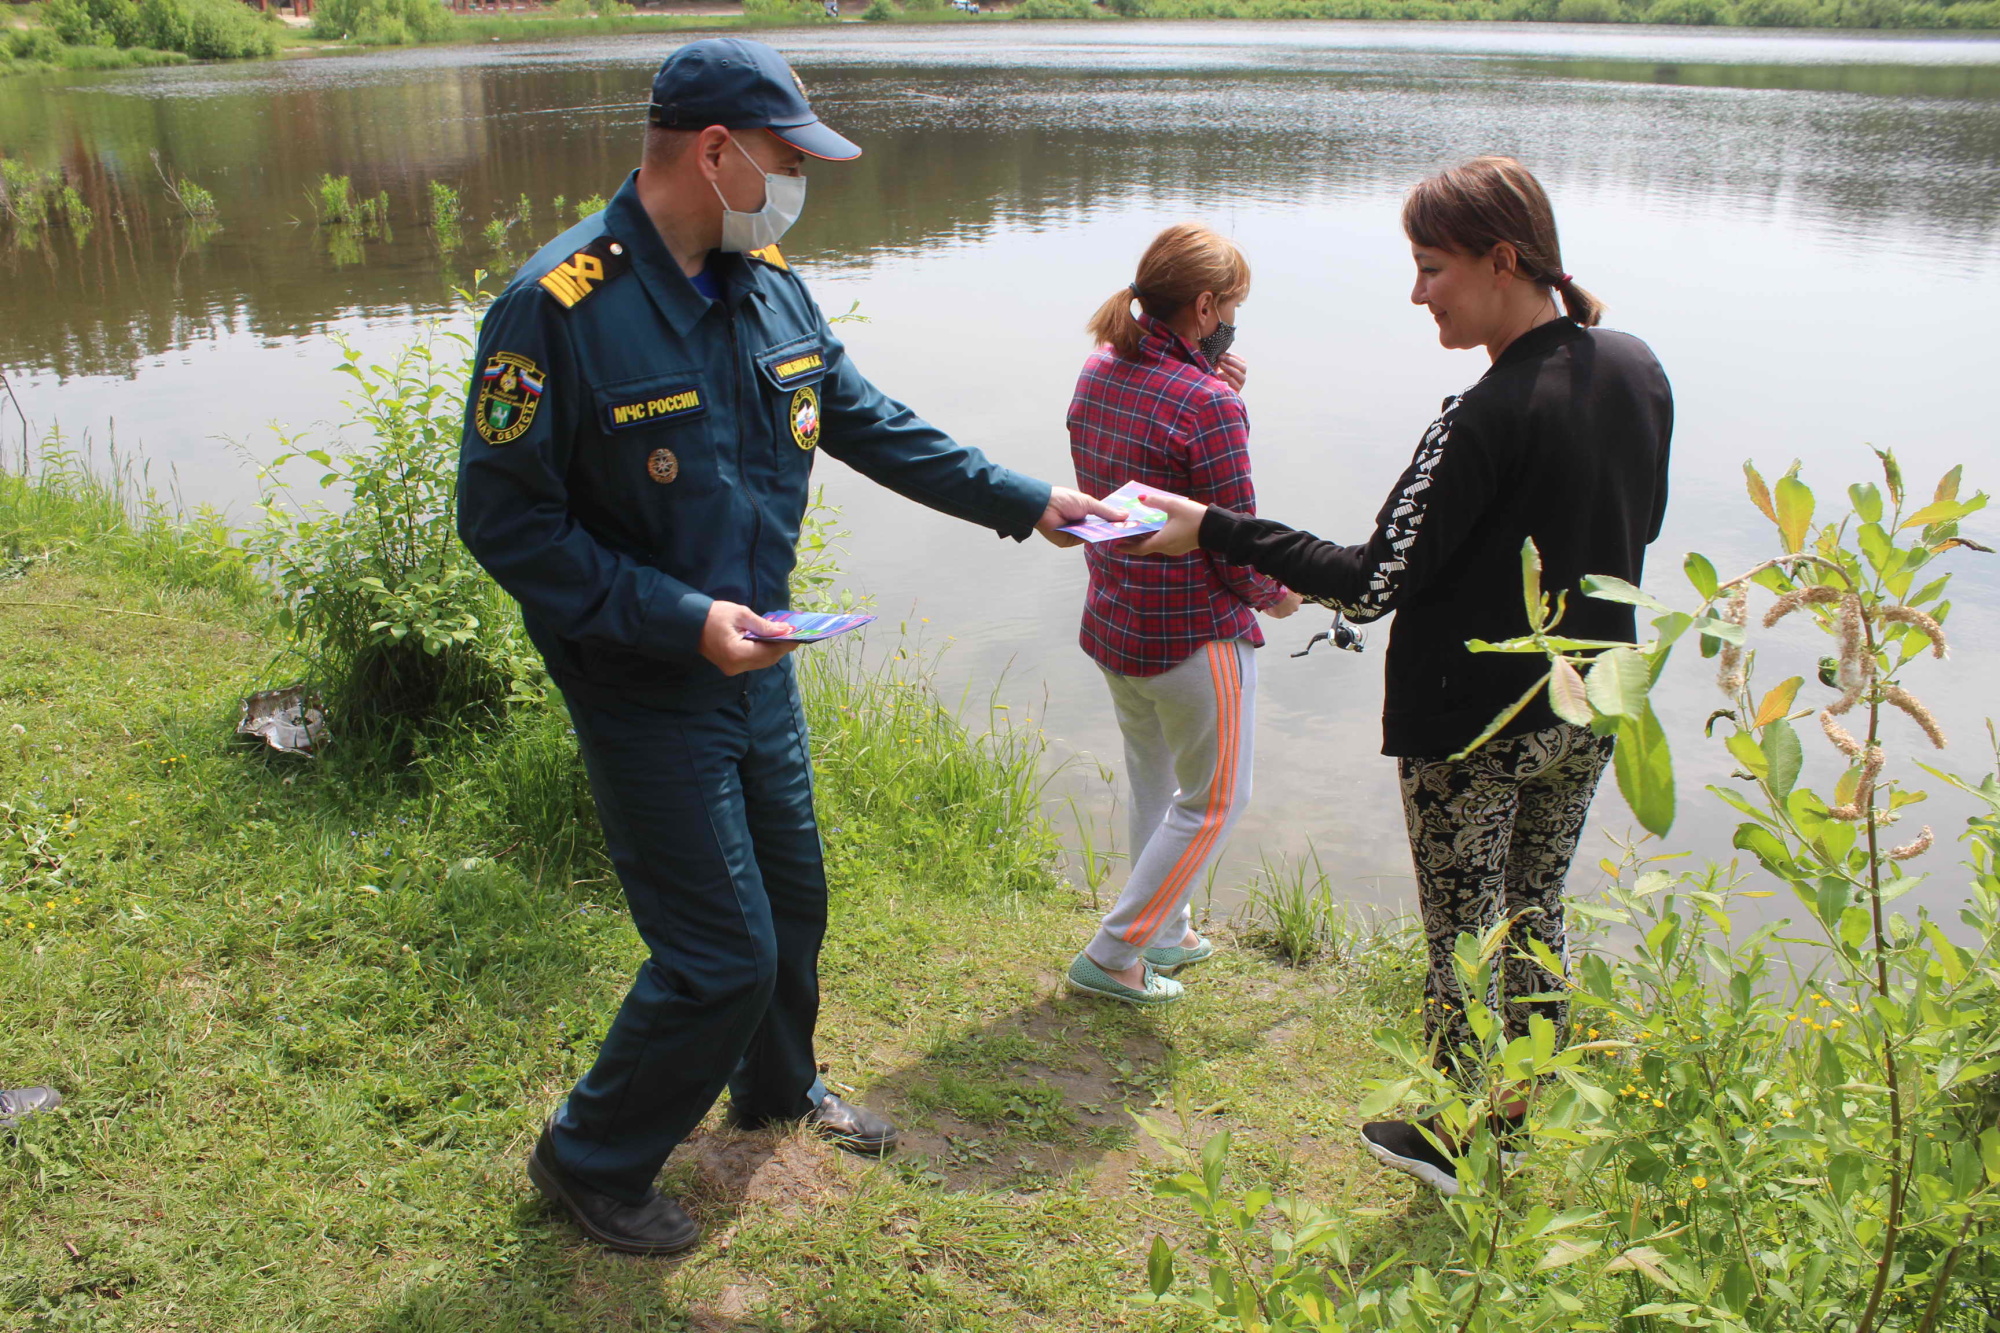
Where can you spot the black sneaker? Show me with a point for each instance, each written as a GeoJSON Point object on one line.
{"type": "Point", "coordinates": [1403, 1146]}
{"type": "Point", "coordinates": [657, 1226]}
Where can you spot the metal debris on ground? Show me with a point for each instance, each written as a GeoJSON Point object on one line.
{"type": "Point", "coordinates": [291, 720]}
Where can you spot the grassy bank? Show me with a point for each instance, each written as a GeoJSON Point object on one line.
{"type": "Point", "coordinates": [309, 1014]}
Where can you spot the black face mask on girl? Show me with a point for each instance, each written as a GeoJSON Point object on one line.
{"type": "Point", "coordinates": [1217, 343]}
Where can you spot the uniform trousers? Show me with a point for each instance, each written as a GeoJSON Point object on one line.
{"type": "Point", "coordinates": [1492, 836]}
{"type": "Point", "coordinates": [708, 818]}
{"type": "Point", "coordinates": [1187, 757]}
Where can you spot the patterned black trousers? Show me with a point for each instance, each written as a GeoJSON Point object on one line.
{"type": "Point", "coordinates": [1492, 836]}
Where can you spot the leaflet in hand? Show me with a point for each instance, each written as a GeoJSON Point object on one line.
{"type": "Point", "coordinates": [1139, 520]}
{"type": "Point", "coordinates": [811, 626]}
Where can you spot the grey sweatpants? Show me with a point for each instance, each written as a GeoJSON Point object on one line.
{"type": "Point", "coordinates": [1187, 758]}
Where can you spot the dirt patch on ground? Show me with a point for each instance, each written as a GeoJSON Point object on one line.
{"type": "Point", "coordinates": [782, 1172]}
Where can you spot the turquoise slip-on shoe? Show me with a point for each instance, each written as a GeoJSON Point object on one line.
{"type": "Point", "coordinates": [1172, 958]}
{"type": "Point", "coordinates": [1087, 977]}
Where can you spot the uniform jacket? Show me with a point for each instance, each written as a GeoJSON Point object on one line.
{"type": "Point", "coordinates": [633, 450]}
{"type": "Point", "coordinates": [1564, 440]}
{"type": "Point", "coordinates": [1162, 419]}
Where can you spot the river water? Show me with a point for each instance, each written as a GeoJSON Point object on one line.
{"type": "Point", "coordinates": [1805, 227]}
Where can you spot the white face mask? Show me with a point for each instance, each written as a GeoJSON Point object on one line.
{"type": "Point", "coordinates": [784, 200]}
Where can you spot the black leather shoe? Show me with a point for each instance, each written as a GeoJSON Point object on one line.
{"type": "Point", "coordinates": [855, 1128]}
{"type": "Point", "coordinates": [658, 1226]}
{"type": "Point", "coordinates": [17, 1102]}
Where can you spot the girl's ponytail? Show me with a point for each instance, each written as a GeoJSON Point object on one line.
{"type": "Point", "coordinates": [1115, 326]}
{"type": "Point", "coordinates": [1182, 262]}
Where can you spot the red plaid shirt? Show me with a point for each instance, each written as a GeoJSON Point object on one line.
{"type": "Point", "coordinates": [1161, 419]}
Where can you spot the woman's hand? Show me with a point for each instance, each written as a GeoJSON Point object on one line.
{"type": "Point", "coordinates": [1285, 607]}
{"type": "Point", "coordinates": [1066, 507]}
{"type": "Point", "coordinates": [1182, 532]}
{"type": "Point", "coordinates": [1232, 371]}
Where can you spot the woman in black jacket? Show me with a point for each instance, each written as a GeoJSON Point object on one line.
{"type": "Point", "coordinates": [1563, 440]}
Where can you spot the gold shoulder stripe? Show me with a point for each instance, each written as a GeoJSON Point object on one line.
{"type": "Point", "coordinates": [769, 254]}
{"type": "Point", "coordinates": [585, 271]}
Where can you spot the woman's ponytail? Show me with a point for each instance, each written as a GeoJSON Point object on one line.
{"type": "Point", "coordinates": [1183, 261]}
{"type": "Point", "coordinates": [1493, 200]}
{"type": "Point", "coordinates": [1578, 304]}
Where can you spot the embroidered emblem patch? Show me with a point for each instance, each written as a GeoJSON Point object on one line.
{"type": "Point", "coordinates": [805, 418]}
{"type": "Point", "coordinates": [662, 466]}
{"type": "Point", "coordinates": [656, 405]}
{"type": "Point", "coordinates": [510, 390]}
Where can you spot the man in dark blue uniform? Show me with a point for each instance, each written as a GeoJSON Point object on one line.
{"type": "Point", "coordinates": [652, 389]}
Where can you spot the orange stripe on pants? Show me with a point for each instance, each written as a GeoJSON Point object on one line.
{"type": "Point", "coordinates": [1227, 679]}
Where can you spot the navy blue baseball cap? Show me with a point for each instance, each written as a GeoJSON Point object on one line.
{"type": "Point", "coordinates": [741, 85]}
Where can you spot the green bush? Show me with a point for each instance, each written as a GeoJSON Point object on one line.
{"type": "Point", "coordinates": [1754, 1129]}
{"type": "Point", "coordinates": [784, 12]}
{"type": "Point", "coordinates": [400, 629]}
{"type": "Point", "coordinates": [204, 29]}
{"type": "Point", "coordinates": [382, 22]}
{"type": "Point", "coordinates": [1691, 13]}
{"type": "Point", "coordinates": [37, 44]}
{"type": "Point", "coordinates": [1590, 11]}
{"type": "Point", "coordinates": [1055, 9]}
{"type": "Point", "coordinates": [879, 11]}
{"type": "Point", "coordinates": [1778, 13]}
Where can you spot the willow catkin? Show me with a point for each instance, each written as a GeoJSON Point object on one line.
{"type": "Point", "coordinates": [1864, 789]}
{"type": "Point", "coordinates": [1909, 615]}
{"type": "Point", "coordinates": [1919, 714]}
{"type": "Point", "coordinates": [1736, 611]}
{"type": "Point", "coordinates": [1796, 598]}
{"type": "Point", "coordinates": [1916, 847]}
{"type": "Point", "coordinates": [1857, 664]}
{"type": "Point", "coordinates": [1843, 740]}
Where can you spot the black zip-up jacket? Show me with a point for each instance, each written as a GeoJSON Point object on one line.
{"type": "Point", "coordinates": [1564, 440]}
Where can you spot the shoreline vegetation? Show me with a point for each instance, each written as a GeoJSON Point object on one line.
{"type": "Point", "coordinates": [309, 1013]}
{"type": "Point", "coordinates": [80, 35]}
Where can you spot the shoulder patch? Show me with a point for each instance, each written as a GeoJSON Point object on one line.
{"type": "Point", "coordinates": [510, 392]}
{"type": "Point", "coordinates": [586, 270]}
{"type": "Point", "coordinates": [769, 254]}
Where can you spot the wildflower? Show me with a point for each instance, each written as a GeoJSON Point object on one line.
{"type": "Point", "coordinates": [1838, 1023]}
{"type": "Point", "coordinates": [1593, 1034]}
{"type": "Point", "coordinates": [1701, 1182]}
{"type": "Point", "coordinates": [1825, 1003]}
{"type": "Point", "coordinates": [1658, 1102]}
{"type": "Point", "coordinates": [1918, 847]}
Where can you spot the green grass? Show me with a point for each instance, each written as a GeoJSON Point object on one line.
{"type": "Point", "coordinates": [309, 1014]}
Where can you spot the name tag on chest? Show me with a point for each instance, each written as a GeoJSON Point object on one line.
{"type": "Point", "coordinates": [654, 406]}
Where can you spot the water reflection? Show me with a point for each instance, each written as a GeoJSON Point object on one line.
{"type": "Point", "coordinates": [1805, 228]}
{"type": "Point", "coordinates": [1867, 152]}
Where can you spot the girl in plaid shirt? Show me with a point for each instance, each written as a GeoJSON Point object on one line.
{"type": "Point", "coordinates": [1158, 403]}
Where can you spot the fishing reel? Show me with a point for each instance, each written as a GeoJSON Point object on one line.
{"type": "Point", "coordinates": [1340, 634]}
